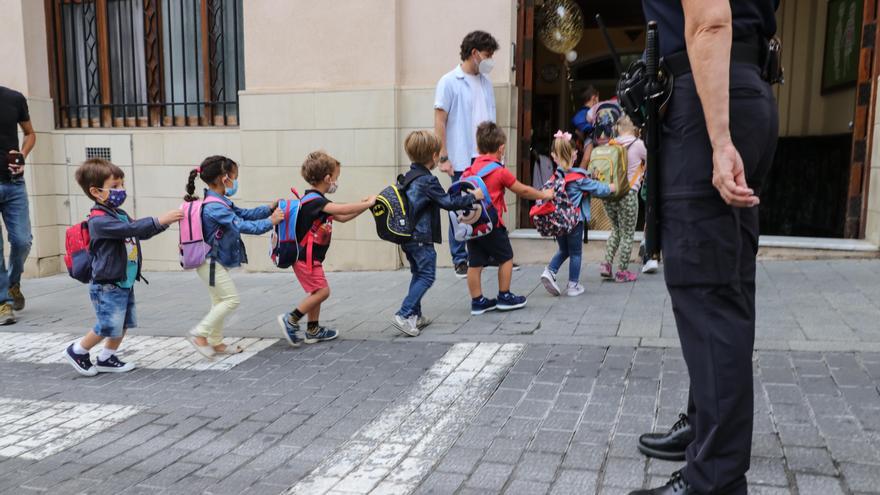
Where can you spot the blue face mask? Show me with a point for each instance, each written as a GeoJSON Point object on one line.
{"type": "Point", "coordinates": [115, 198]}
{"type": "Point", "coordinates": [230, 191]}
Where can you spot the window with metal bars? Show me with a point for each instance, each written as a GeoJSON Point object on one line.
{"type": "Point", "coordinates": [145, 63]}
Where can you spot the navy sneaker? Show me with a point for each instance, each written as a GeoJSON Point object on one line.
{"type": "Point", "coordinates": [82, 363]}
{"type": "Point", "coordinates": [482, 305]}
{"type": "Point", "coordinates": [113, 365]}
{"type": "Point", "coordinates": [510, 301]}
{"type": "Point", "coordinates": [290, 330]}
{"type": "Point", "coordinates": [322, 334]}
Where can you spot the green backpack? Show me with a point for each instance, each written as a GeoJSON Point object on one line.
{"type": "Point", "coordinates": [608, 164]}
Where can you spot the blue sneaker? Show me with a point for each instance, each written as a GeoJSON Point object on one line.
{"type": "Point", "coordinates": [510, 301]}
{"type": "Point", "coordinates": [290, 330]}
{"type": "Point", "coordinates": [482, 305]}
{"type": "Point", "coordinates": [322, 334]}
{"type": "Point", "coordinates": [113, 365]}
{"type": "Point", "coordinates": [82, 363]}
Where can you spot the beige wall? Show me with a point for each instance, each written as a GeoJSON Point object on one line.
{"type": "Point", "coordinates": [363, 84]}
{"type": "Point", "coordinates": [803, 110]}
{"type": "Point", "coordinates": [872, 222]}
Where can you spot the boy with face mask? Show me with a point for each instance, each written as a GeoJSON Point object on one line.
{"type": "Point", "coordinates": [314, 227]}
{"type": "Point", "coordinates": [116, 265]}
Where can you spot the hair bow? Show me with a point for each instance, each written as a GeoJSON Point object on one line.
{"type": "Point", "coordinates": [562, 135]}
{"type": "Point", "coordinates": [198, 170]}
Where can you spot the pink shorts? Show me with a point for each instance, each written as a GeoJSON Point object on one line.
{"type": "Point", "coordinates": [313, 280]}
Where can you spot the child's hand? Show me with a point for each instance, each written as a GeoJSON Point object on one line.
{"type": "Point", "coordinates": [613, 188]}
{"type": "Point", "coordinates": [172, 216]}
{"type": "Point", "coordinates": [549, 194]}
{"type": "Point", "coordinates": [371, 200]}
{"type": "Point", "coordinates": [478, 194]}
{"type": "Point", "coordinates": [277, 216]}
{"type": "Point", "coordinates": [273, 206]}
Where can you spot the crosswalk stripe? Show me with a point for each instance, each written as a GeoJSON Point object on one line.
{"type": "Point", "coordinates": [395, 452]}
{"type": "Point", "coordinates": [35, 429]}
{"type": "Point", "coordinates": [144, 351]}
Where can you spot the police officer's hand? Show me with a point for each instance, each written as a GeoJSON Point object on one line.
{"type": "Point", "coordinates": [729, 177]}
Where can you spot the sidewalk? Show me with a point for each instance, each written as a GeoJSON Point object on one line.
{"type": "Point", "coordinates": [542, 400]}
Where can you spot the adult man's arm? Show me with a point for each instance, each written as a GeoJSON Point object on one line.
{"type": "Point", "coordinates": [709, 37]}
{"type": "Point", "coordinates": [30, 138]}
{"type": "Point", "coordinates": [440, 118]}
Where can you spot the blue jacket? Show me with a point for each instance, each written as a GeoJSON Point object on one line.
{"type": "Point", "coordinates": [426, 197]}
{"type": "Point", "coordinates": [580, 190]}
{"type": "Point", "coordinates": [223, 224]}
{"type": "Point", "coordinates": [107, 234]}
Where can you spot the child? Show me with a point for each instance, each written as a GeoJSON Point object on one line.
{"type": "Point", "coordinates": [624, 212]}
{"type": "Point", "coordinates": [571, 245]}
{"type": "Point", "coordinates": [425, 197]}
{"type": "Point", "coordinates": [115, 252]}
{"type": "Point", "coordinates": [495, 246]}
{"type": "Point", "coordinates": [222, 226]}
{"type": "Point", "coordinates": [315, 220]}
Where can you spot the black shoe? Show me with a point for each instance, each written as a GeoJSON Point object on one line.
{"type": "Point", "coordinates": [461, 270]}
{"type": "Point", "coordinates": [676, 485]}
{"type": "Point", "coordinates": [669, 446]}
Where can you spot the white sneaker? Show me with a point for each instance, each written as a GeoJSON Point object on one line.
{"type": "Point", "coordinates": [409, 326]}
{"type": "Point", "coordinates": [548, 278]}
{"type": "Point", "coordinates": [651, 266]}
{"type": "Point", "coordinates": [574, 289]}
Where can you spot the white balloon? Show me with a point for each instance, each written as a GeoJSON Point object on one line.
{"type": "Point", "coordinates": [571, 56]}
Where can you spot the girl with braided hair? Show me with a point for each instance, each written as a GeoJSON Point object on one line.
{"type": "Point", "coordinates": [223, 223]}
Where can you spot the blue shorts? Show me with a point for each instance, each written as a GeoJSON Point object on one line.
{"type": "Point", "coordinates": [114, 307]}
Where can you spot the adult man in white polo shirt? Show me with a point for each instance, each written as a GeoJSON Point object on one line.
{"type": "Point", "coordinates": [463, 100]}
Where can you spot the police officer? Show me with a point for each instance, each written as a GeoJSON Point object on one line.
{"type": "Point", "coordinates": [717, 143]}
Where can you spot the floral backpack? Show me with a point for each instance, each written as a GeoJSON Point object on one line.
{"type": "Point", "coordinates": [560, 215]}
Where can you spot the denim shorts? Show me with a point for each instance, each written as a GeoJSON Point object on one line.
{"type": "Point", "coordinates": [114, 308]}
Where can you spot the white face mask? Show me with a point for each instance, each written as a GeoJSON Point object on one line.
{"type": "Point", "coordinates": [485, 65]}
{"type": "Point", "coordinates": [333, 187]}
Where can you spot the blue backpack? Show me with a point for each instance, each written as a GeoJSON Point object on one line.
{"type": "Point", "coordinates": [284, 246]}
{"type": "Point", "coordinates": [482, 217]}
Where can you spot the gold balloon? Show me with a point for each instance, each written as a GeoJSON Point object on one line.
{"type": "Point", "coordinates": [562, 25]}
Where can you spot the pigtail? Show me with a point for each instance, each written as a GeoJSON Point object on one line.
{"type": "Point", "coordinates": [191, 186]}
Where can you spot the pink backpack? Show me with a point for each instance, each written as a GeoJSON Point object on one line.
{"type": "Point", "coordinates": [194, 249]}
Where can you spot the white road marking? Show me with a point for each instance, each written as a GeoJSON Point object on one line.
{"type": "Point", "coordinates": [145, 352]}
{"type": "Point", "coordinates": [34, 429]}
{"type": "Point", "coordinates": [394, 453]}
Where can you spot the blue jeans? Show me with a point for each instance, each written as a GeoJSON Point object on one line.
{"type": "Point", "coordinates": [14, 208]}
{"type": "Point", "coordinates": [423, 265]}
{"type": "Point", "coordinates": [457, 249]}
{"type": "Point", "coordinates": [570, 247]}
{"type": "Point", "coordinates": [114, 309]}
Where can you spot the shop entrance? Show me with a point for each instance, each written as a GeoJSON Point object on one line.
{"type": "Point", "coordinates": [817, 182]}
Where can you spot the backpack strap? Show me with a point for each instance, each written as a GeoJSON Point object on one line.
{"type": "Point", "coordinates": [488, 169]}
{"type": "Point", "coordinates": [574, 175]}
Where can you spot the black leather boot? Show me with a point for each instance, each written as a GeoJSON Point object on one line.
{"type": "Point", "coordinates": [669, 446]}
{"type": "Point", "coordinates": [676, 485]}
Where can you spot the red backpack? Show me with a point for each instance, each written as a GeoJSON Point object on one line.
{"type": "Point", "coordinates": [76, 253]}
{"type": "Point", "coordinates": [559, 216]}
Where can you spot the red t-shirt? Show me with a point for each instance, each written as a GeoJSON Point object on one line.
{"type": "Point", "coordinates": [496, 182]}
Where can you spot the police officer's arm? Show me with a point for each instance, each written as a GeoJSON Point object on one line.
{"type": "Point", "coordinates": [709, 36]}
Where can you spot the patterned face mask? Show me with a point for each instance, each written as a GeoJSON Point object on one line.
{"type": "Point", "coordinates": [115, 198]}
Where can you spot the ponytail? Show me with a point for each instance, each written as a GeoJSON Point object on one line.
{"type": "Point", "coordinates": [191, 186]}
{"type": "Point", "coordinates": [210, 169]}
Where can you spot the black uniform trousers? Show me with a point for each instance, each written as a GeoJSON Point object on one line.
{"type": "Point", "coordinates": [709, 251]}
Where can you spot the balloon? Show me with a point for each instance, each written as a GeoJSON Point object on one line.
{"type": "Point", "coordinates": [571, 56]}
{"type": "Point", "coordinates": [562, 25]}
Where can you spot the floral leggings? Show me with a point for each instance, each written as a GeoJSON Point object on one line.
{"type": "Point", "coordinates": [624, 214]}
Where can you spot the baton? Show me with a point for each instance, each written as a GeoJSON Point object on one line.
{"type": "Point", "coordinates": [652, 142]}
